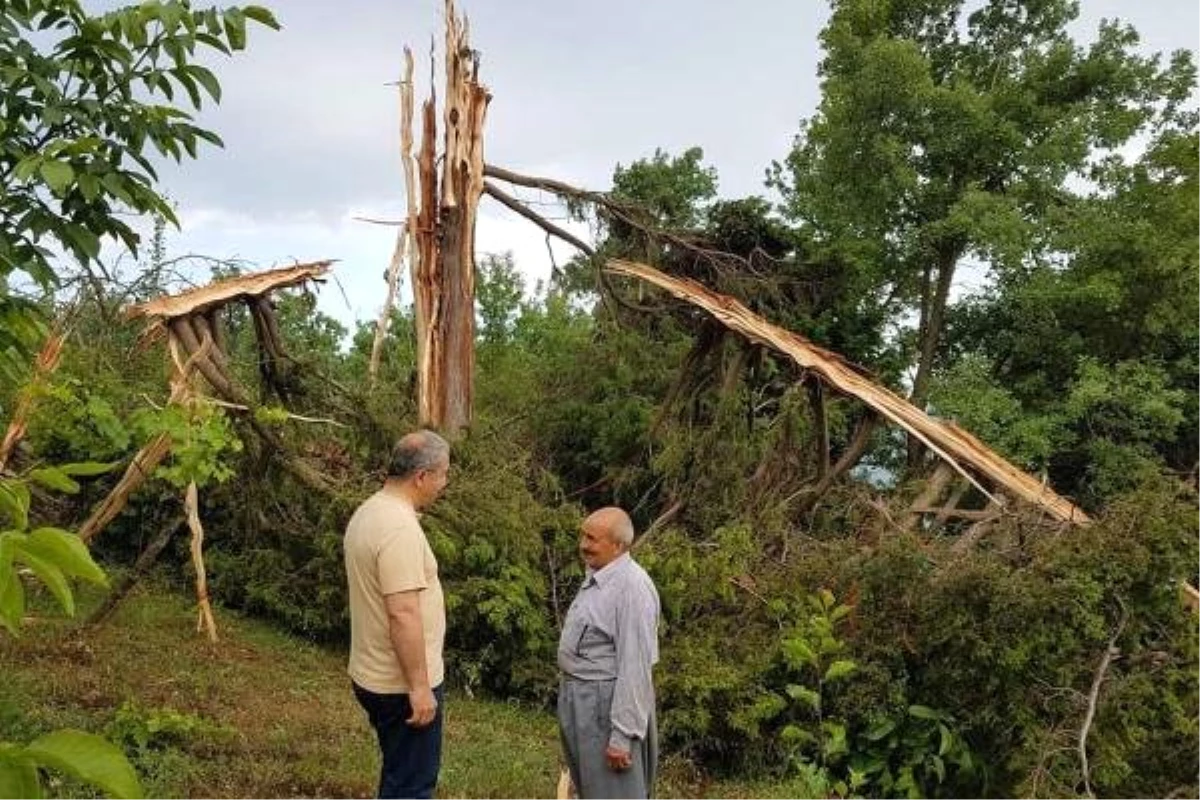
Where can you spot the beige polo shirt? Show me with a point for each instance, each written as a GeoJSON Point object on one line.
{"type": "Point", "coordinates": [386, 552]}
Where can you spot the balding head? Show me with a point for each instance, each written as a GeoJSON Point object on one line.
{"type": "Point", "coordinates": [604, 536]}
{"type": "Point", "coordinates": [614, 523]}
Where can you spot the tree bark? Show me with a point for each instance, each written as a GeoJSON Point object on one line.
{"type": "Point", "coordinates": [933, 318]}
{"type": "Point", "coordinates": [816, 400]}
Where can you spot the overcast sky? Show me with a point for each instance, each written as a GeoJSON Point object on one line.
{"type": "Point", "coordinates": [311, 125]}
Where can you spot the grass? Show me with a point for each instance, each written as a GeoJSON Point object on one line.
{"type": "Point", "coordinates": [260, 713]}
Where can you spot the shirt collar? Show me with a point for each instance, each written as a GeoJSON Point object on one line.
{"type": "Point", "coordinates": [607, 572]}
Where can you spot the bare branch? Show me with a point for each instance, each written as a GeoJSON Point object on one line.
{"type": "Point", "coordinates": [537, 219]}
{"type": "Point", "coordinates": [1093, 698]}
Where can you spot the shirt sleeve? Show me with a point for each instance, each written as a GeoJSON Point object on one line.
{"type": "Point", "coordinates": [637, 646]}
{"type": "Point", "coordinates": [401, 560]}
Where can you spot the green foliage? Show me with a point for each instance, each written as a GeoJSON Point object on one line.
{"type": "Point", "coordinates": [907, 754]}
{"type": "Point", "coordinates": [670, 191]}
{"type": "Point", "coordinates": [141, 730]}
{"type": "Point", "coordinates": [948, 131]}
{"type": "Point", "coordinates": [911, 754]}
{"type": "Point", "coordinates": [83, 756]}
{"type": "Point", "coordinates": [499, 289]}
{"type": "Point", "coordinates": [505, 561]}
{"type": "Point", "coordinates": [202, 441]}
{"type": "Point", "coordinates": [51, 554]}
{"type": "Point", "coordinates": [71, 420]}
{"type": "Point", "coordinates": [80, 106]}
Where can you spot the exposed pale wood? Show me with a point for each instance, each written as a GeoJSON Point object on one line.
{"type": "Point", "coordinates": [935, 484]}
{"type": "Point", "coordinates": [204, 620]}
{"type": "Point", "coordinates": [140, 468]}
{"type": "Point", "coordinates": [45, 363]}
{"type": "Point", "coordinates": [961, 513]}
{"type": "Point", "coordinates": [461, 186]}
{"type": "Point", "coordinates": [444, 269]}
{"type": "Point", "coordinates": [1190, 596]}
{"type": "Point", "coordinates": [403, 246]}
{"type": "Point", "coordinates": [949, 442]}
{"type": "Point", "coordinates": [215, 294]}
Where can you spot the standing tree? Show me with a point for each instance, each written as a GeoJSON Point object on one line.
{"type": "Point", "coordinates": [936, 145]}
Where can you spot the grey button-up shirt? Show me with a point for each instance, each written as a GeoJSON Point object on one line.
{"type": "Point", "coordinates": [611, 633]}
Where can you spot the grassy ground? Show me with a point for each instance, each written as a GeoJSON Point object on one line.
{"type": "Point", "coordinates": [259, 714]}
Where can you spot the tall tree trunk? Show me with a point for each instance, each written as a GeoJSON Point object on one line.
{"type": "Point", "coordinates": [935, 296]}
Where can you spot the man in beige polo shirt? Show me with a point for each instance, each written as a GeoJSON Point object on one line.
{"type": "Point", "coordinates": [398, 616]}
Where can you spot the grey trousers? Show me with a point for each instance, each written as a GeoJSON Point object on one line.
{"type": "Point", "coordinates": [583, 724]}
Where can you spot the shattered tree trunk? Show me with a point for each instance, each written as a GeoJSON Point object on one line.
{"type": "Point", "coordinates": [957, 448]}
{"type": "Point", "coordinates": [444, 272]}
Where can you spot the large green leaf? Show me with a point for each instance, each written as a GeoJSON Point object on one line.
{"type": "Point", "coordinates": [8, 548]}
{"type": "Point", "coordinates": [52, 576]}
{"type": "Point", "coordinates": [54, 478]}
{"type": "Point", "coordinates": [57, 174]}
{"type": "Point", "coordinates": [67, 552]}
{"type": "Point", "coordinates": [804, 695]}
{"type": "Point", "coordinates": [14, 501]}
{"type": "Point", "coordinates": [18, 773]}
{"type": "Point", "coordinates": [89, 758]}
{"type": "Point", "coordinates": [839, 669]}
{"type": "Point", "coordinates": [86, 469]}
{"type": "Point", "coordinates": [12, 602]}
{"type": "Point", "coordinates": [261, 15]}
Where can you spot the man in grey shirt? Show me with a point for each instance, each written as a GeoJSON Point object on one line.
{"type": "Point", "coordinates": [608, 646]}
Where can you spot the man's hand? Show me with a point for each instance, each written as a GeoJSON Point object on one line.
{"type": "Point", "coordinates": [424, 707]}
{"type": "Point", "coordinates": [618, 760]}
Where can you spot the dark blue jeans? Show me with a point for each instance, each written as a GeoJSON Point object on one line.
{"type": "Point", "coordinates": [411, 756]}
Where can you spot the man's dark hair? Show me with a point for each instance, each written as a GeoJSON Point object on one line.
{"type": "Point", "coordinates": [423, 449]}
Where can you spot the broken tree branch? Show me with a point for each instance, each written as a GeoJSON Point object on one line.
{"type": "Point", "coordinates": [204, 620]}
{"type": "Point", "coordinates": [512, 203]}
{"type": "Point", "coordinates": [946, 440]}
{"type": "Point", "coordinates": [1093, 699]}
{"type": "Point", "coordinates": [221, 292]}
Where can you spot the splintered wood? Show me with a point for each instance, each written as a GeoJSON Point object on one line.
{"type": "Point", "coordinates": [962, 451]}
{"type": "Point", "coordinates": [219, 293]}
{"type": "Point", "coordinates": [44, 365]}
{"type": "Point", "coordinates": [444, 270]}
{"type": "Point", "coordinates": [403, 249]}
{"type": "Point", "coordinates": [195, 343]}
